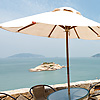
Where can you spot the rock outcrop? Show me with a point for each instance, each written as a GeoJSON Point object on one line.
{"type": "Point", "coordinates": [46, 67]}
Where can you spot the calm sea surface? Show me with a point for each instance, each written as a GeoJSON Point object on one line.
{"type": "Point", "coordinates": [14, 73]}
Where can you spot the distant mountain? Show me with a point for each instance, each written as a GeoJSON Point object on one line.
{"type": "Point", "coordinates": [26, 55]}
{"type": "Point", "coordinates": [96, 55]}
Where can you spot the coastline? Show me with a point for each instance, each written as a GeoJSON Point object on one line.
{"type": "Point", "coordinates": [83, 84]}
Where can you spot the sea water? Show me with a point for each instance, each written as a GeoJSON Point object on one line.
{"type": "Point", "coordinates": [14, 72]}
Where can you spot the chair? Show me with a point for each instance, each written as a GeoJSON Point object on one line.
{"type": "Point", "coordinates": [4, 95]}
{"type": "Point", "coordinates": [96, 88]}
{"type": "Point", "coordinates": [39, 92]}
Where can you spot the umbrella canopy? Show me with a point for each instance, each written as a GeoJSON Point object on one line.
{"type": "Point", "coordinates": [62, 22]}
{"type": "Point", "coordinates": [51, 24]}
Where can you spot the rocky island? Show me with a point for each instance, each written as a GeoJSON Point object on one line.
{"type": "Point", "coordinates": [46, 67]}
{"type": "Point", "coordinates": [26, 55]}
{"type": "Point", "coordinates": [96, 55]}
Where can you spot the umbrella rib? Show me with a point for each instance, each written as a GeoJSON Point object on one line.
{"type": "Point", "coordinates": [98, 27]}
{"type": "Point", "coordinates": [25, 27]}
{"type": "Point", "coordinates": [76, 33]}
{"type": "Point", "coordinates": [52, 31]}
{"type": "Point", "coordinates": [73, 27]}
{"type": "Point", "coordinates": [94, 31]}
{"type": "Point", "coordinates": [62, 26]}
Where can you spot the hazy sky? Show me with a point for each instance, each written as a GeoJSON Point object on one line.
{"type": "Point", "coordinates": [12, 43]}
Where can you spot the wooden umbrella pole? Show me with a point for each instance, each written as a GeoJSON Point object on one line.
{"type": "Point", "coordinates": [67, 57]}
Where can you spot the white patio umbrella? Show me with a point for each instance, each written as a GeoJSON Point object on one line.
{"type": "Point", "coordinates": [62, 22]}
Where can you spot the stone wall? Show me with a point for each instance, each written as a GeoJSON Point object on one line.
{"type": "Point", "coordinates": [25, 91]}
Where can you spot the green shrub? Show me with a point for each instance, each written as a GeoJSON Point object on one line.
{"type": "Point", "coordinates": [51, 65]}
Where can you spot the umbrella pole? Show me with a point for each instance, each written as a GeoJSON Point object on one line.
{"type": "Point", "coordinates": [67, 58]}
